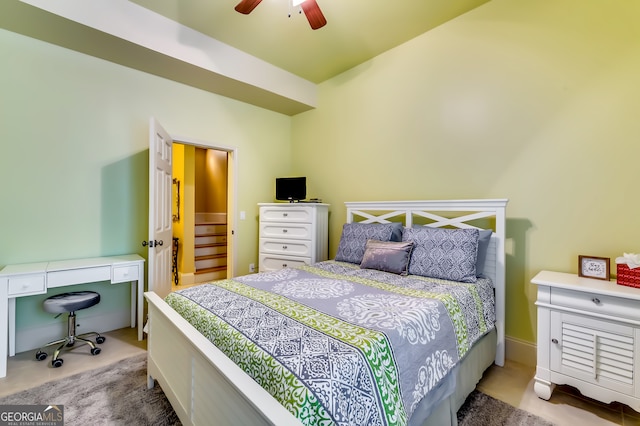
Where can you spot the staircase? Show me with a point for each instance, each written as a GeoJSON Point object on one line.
{"type": "Point", "coordinates": [210, 251]}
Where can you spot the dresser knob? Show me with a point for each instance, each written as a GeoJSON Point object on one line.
{"type": "Point", "coordinates": [596, 300]}
{"type": "Point", "coordinates": [284, 265]}
{"type": "Point", "coordinates": [284, 247]}
{"type": "Point", "coordinates": [285, 214]}
{"type": "Point", "coordinates": [284, 231]}
{"type": "Point", "coordinates": [554, 341]}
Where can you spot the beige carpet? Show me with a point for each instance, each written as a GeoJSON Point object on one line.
{"type": "Point", "coordinates": [117, 395]}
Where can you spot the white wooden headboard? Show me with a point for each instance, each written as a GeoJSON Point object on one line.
{"type": "Point", "coordinates": [450, 213]}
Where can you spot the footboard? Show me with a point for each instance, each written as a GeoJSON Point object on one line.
{"type": "Point", "coordinates": [203, 385]}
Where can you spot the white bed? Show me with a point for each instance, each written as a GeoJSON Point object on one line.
{"type": "Point", "coordinates": [205, 387]}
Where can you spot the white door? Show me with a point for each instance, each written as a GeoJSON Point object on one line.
{"type": "Point", "coordinates": [160, 219]}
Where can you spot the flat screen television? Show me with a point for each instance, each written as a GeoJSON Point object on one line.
{"type": "Point", "coordinates": [291, 189]}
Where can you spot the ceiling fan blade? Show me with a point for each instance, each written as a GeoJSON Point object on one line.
{"type": "Point", "coordinates": [314, 14]}
{"type": "Point", "coordinates": [246, 6]}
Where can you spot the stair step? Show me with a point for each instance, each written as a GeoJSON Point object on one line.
{"type": "Point", "coordinates": [207, 270]}
{"type": "Point", "coordinates": [210, 245]}
{"type": "Point", "coordinates": [211, 256]}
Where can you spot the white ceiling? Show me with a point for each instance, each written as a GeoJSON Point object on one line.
{"type": "Point", "coordinates": [265, 58]}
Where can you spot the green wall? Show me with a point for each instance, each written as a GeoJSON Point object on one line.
{"type": "Point", "coordinates": [74, 156]}
{"type": "Point", "coordinates": [535, 101]}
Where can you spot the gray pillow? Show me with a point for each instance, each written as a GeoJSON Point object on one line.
{"type": "Point", "coordinates": [483, 245]}
{"type": "Point", "coordinates": [355, 235]}
{"type": "Point", "coordinates": [388, 256]}
{"type": "Point", "coordinates": [449, 254]}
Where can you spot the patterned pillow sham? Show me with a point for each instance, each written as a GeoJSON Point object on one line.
{"type": "Point", "coordinates": [484, 238]}
{"type": "Point", "coordinates": [448, 254]}
{"type": "Point", "coordinates": [388, 256]}
{"type": "Point", "coordinates": [355, 235]}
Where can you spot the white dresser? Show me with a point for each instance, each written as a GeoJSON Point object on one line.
{"type": "Point", "coordinates": [292, 234]}
{"type": "Point", "coordinates": [588, 337]}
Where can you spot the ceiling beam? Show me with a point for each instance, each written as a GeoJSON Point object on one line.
{"type": "Point", "coordinates": [128, 34]}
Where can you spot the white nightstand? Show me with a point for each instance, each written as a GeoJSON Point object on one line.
{"type": "Point", "coordinates": [588, 337]}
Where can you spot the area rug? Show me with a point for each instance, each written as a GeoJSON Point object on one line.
{"type": "Point", "coordinates": [113, 395]}
{"type": "Point", "coordinates": [117, 395]}
{"type": "Point", "coordinates": [482, 410]}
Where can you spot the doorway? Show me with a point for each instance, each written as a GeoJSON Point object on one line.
{"type": "Point", "coordinates": [201, 225]}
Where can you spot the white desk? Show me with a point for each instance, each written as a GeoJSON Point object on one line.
{"type": "Point", "coordinates": [35, 278]}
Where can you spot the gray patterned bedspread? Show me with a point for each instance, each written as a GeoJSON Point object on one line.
{"type": "Point", "coordinates": [336, 344]}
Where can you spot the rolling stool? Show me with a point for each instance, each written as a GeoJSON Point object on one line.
{"type": "Point", "coordinates": [70, 302]}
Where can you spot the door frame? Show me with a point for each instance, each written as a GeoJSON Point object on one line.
{"type": "Point", "coordinates": [232, 199]}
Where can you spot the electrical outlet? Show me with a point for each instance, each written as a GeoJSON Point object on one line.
{"type": "Point", "coordinates": [252, 267]}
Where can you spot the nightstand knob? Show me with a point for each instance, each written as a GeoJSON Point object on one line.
{"type": "Point", "coordinates": [284, 247]}
{"type": "Point", "coordinates": [554, 341]}
{"type": "Point", "coordinates": [285, 214]}
{"type": "Point", "coordinates": [284, 231]}
{"type": "Point", "coordinates": [596, 300]}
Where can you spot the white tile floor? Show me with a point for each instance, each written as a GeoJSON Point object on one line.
{"type": "Point", "coordinates": [512, 383]}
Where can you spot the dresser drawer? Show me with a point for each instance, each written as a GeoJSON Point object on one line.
{"type": "Point", "coordinates": [596, 303]}
{"type": "Point", "coordinates": [26, 285]}
{"type": "Point", "coordinates": [286, 214]}
{"type": "Point", "coordinates": [121, 274]}
{"type": "Point", "coordinates": [286, 247]}
{"type": "Point", "coordinates": [298, 231]}
{"type": "Point", "coordinates": [269, 262]}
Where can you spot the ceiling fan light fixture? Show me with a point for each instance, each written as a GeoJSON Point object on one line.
{"type": "Point", "coordinates": [309, 7]}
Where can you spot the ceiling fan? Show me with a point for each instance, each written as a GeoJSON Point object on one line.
{"type": "Point", "coordinates": [309, 7]}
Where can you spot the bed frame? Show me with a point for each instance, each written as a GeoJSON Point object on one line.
{"type": "Point", "coordinates": [205, 387]}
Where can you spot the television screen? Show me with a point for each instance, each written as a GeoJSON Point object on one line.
{"type": "Point", "coordinates": [291, 188]}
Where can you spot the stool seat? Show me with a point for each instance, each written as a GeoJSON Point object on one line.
{"type": "Point", "coordinates": [70, 302]}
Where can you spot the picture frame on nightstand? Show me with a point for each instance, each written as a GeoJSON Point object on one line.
{"type": "Point", "coordinates": [594, 267]}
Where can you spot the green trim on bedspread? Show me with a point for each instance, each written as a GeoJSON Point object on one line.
{"type": "Point", "coordinates": [449, 302]}
{"type": "Point", "coordinates": [276, 379]}
{"type": "Point", "coordinates": [291, 299]}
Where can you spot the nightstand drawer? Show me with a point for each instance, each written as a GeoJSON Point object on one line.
{"type": "Point", "coordinates": [121, 274]}
{"type": "Point", "coordinates": [286, 247]}
{"type": "Point", "coordinates": [596, 303]}
{"type": "Point", "coordinates": [299, 231]}
{"type": "Point", "coordinates": [27, 285]}
{"type": "Point", "coordinates": [286, 214]}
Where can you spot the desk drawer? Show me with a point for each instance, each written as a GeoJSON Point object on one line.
{"type": "Point", "coordinates": [596, 303]}
{"type": "Point", "coordinates": [78, 276]}
{"type": "Point", "coordinates": [121, 274]}
{"type": "Point", "coordinates": [27, 285]}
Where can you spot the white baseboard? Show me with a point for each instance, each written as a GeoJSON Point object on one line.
{"type": "Point", "coordinates": [186, 278]}
{"type": "Point", "coordinates": [521, 351]}
{"type": "Point", "coordinates": [34, 337]}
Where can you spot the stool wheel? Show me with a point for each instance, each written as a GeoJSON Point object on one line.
{"type": "Point", "coordinates": [41, 356]}
{"type": "Point", "coordinates": [100, 339]}
{"type": "Point", "coordinates": [57, 363]}
{"type": "Point", "coordinates": [95, 351]}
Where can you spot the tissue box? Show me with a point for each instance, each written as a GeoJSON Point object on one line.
{"type": "Point", "coordinates": [628, 277]}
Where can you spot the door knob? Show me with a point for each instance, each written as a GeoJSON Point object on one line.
{"type": "Point", "coordinates": [153, 243]}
